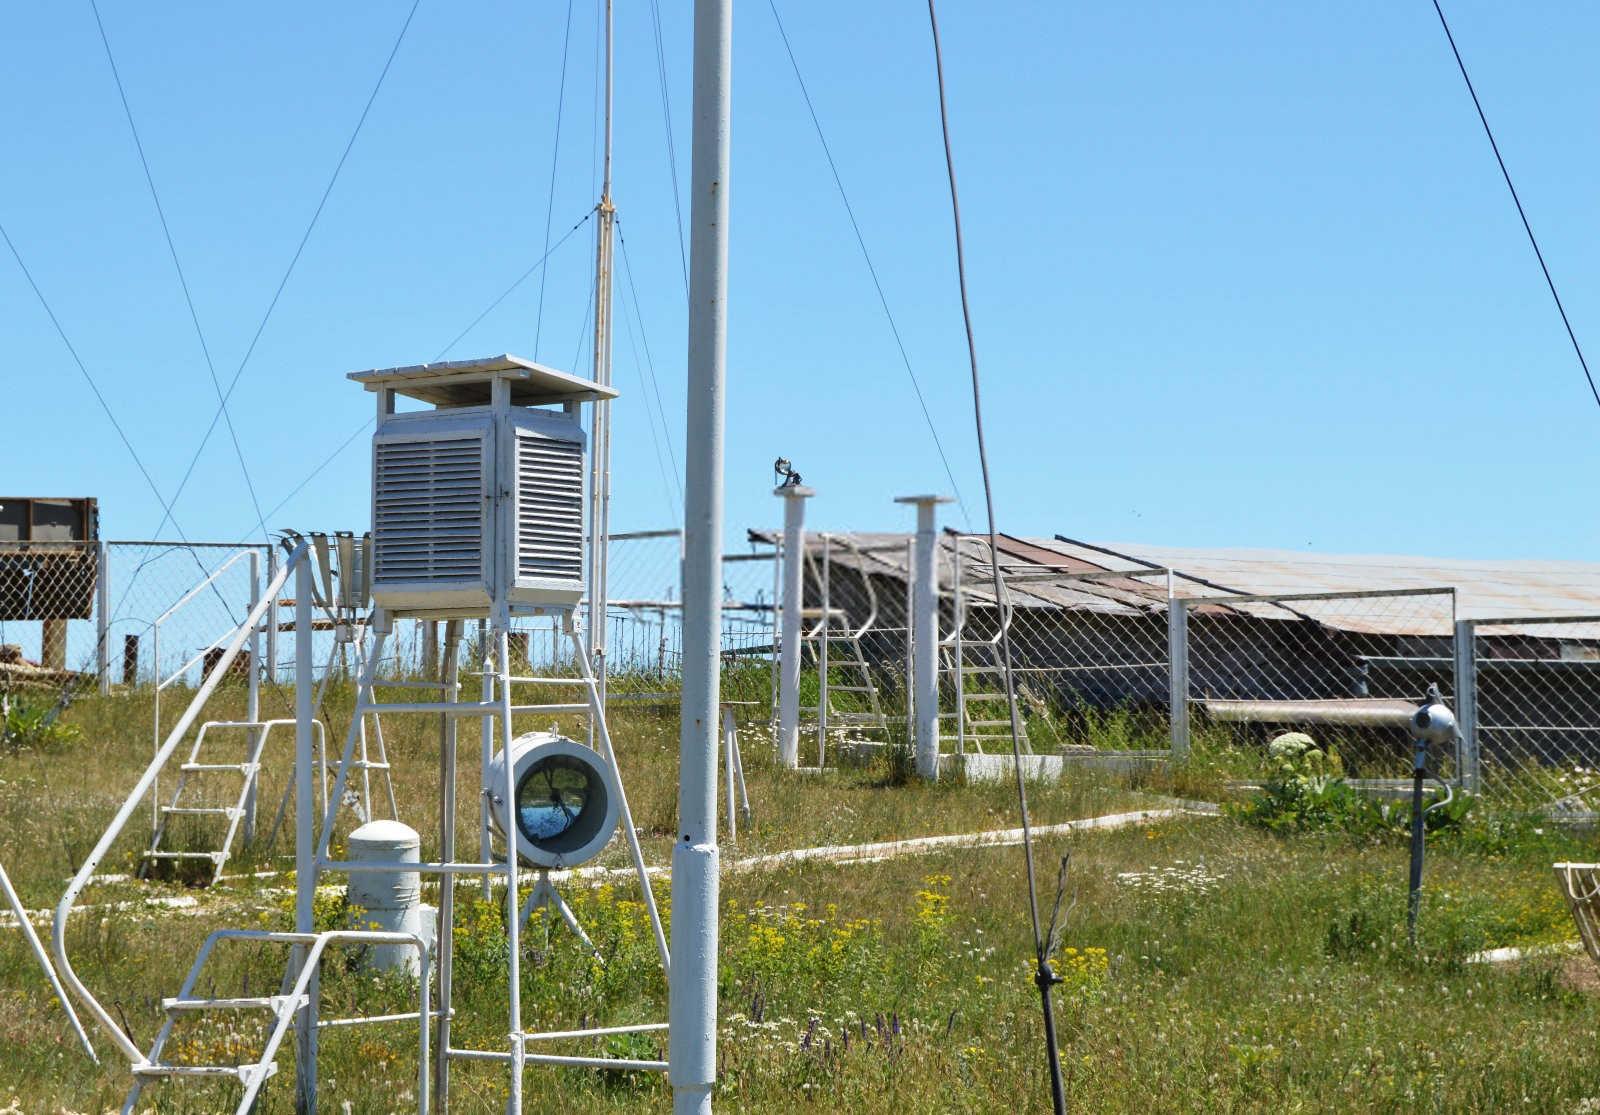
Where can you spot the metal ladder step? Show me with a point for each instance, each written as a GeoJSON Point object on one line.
{"type": "Point", "coordinates": [274, 1003]}
{"type": "Point", "coordinates": [242, 1073]}
{"type": "Point", "coordinates": [237, 768]}
{"type": "Point", "coordinates": [202, 810]}
{"type": "Point", "coordinates": [212, 856]}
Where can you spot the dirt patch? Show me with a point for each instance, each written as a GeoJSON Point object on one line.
{"type": "Point", "coordinates": [1580, 973]}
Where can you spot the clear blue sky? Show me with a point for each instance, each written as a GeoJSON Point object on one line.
{"type": "Point", "coordinates": [1245, 274]}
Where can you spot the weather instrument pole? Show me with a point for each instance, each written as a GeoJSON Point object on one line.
{"type": "Point", "coordinates": [692, 989]}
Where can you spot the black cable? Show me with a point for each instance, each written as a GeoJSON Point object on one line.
{"type": "Point", "coordinates": [1044, 977]}
{"type": "Point", "coordinates": [861, 242]}
{"type": "Point", "coordinates": [650, 364]}
{"type": "Point", "coordinates": [520, 279]}
{"type": "Point", "coordinates": [672, 147]}
{"type": "Point", "coordinates": [1522, 213]}
{"type": "Point", "coordinates": [299, 249]}
{"type": "Point", "coordinates": [555, 161]}
{"type": "Point", "coordinates": [172, 250]}
{"type": "Point", "coordinates": [343, 445]}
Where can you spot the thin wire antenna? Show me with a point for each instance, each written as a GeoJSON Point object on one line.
{"type": "Point", "coordinates": [1044, 977]}
{"type": "Point", "coordinates": [295, 259]}
{"type": "Point", "coordinates": [1517, 201]}
{"type": "Point", "coordinates": [555, 162]}
{"type": "Point", "coordinates": [177, 265]}
{"type": "Point", "coordinates": [877, 284]}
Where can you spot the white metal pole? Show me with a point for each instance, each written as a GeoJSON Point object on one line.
{"type": "Point", "coordinates": [305, 839]}
{"type": "Point", "coordinates": [692, 988]}
{"type": "Point", "coordinates": [924, 625]}
{"type": "Point", "coordinates": [600, 417]}
{"type": "Point", "coordinates": [960, 621]}
{"type": "Point", "coordinates": [791, 621]}
{"type": "Point", "coordinates": [10, 894]}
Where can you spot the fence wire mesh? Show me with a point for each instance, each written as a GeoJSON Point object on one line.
{"type": "Point", "coordinates": [1345, 669]}
{"type": "Point", "coordinates": [1532, 712]}
{"type": "Point", "coordinates": [1103, 664]}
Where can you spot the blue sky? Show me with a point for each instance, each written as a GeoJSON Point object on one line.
{"type": "Point", "coordinates": [1244, 274]}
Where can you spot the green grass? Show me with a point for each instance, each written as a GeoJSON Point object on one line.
{"type": "Point", "coordinates": [1241, 970]}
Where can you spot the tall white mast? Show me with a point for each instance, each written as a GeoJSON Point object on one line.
{"type": "Point", "coordinates": [600, 432]}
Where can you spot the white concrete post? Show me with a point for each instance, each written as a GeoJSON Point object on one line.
{"type": "Point", "coordinates": [924, 624]}
{"type": "Point", "coordinates": [792, 622]}
{"type": "Point", "coordinates": [692, 982]}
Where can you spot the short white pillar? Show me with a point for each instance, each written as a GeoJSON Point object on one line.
{"type": "Point", "coordinates": [924, 634]}
{"type": "Point", "coordinates": [791, 622]}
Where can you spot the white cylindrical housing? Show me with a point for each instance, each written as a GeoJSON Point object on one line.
{"type": "Point", "coordinates": [794, 555]}
{"type": "Point", "coordinates": [390, 901]}
{"type": "Point", "coordinates": [567, 799]}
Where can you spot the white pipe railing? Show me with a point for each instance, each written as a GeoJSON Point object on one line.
{"type": "Point", "coordinates": [58, 942]}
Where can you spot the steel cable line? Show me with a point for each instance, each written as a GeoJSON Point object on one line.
{"type": "Point", "coordinates": [672, 148]}
{"type": "Point", "coordinates": [673, 509]}
{"type": "Point", "coordinates": [487, 310]}
{"type": "Point", "coordinates": [299, 249]}
{"type": "Point", "coordinates": [877, 284]}
{"type": "Point", "coordinates": [105, 406]}
{"type": "Point", "coordinates": [1043, 940]}
{"type": "Point", "coordinates": [650, 363]}
{"type": "Point", "coordinates": [1522, 213]}
{"type": "Point", "coordinates": [555, 161]}
{"type": "Point", "coordinates": [177, 265]}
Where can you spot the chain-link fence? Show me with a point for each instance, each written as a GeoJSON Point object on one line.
{"type": "Point", "coordinates": [120, 613]}
{"type": "Point", "coordinates": [1344, 668]}
{"type": "Point", "coordinates": [1529, 710]}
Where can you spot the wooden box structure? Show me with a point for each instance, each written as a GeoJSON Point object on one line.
{"type": "Point", "coordinates": [49, 557]}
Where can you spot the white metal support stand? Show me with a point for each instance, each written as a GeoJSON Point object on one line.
{"type": "Point", "coordinates": [791, 622]}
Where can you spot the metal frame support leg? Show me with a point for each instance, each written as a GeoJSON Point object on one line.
{"type": "Point", "coordinates": [305, 843]}
{"type": "Point", "coordinates": [444, 945]}
{"type": "Point", "coordinates": [791, 623]}
{"type": "Point", "coordinates": [102, 620]}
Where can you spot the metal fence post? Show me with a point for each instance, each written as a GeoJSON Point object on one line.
{"type": "Point", "coordinates": [102, 622]}
{"type": "Point", "coordinates": [253, 705]}
{"type": "Point", "coordinates": [1467, 703]}
{"type": "Point", "coordinates": [1178, 672]}
{"type": "Point", "coordinates": [794, 556]}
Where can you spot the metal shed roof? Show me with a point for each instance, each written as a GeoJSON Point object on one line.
{"type": "Point", "coordinates": [1130, 577]}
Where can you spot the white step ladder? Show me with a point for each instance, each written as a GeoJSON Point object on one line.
{"type": "Point", "coordinates": [242, 809]}
{"type": "Point", "coordinates": [283, 1009]}
{"type": "Point", "coordinates": [829, 628]}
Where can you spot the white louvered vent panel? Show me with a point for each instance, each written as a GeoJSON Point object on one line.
{"type": "Point", "coordinates": [549, 508]}
{"type": "Point", "coordinates": [428, 514]}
